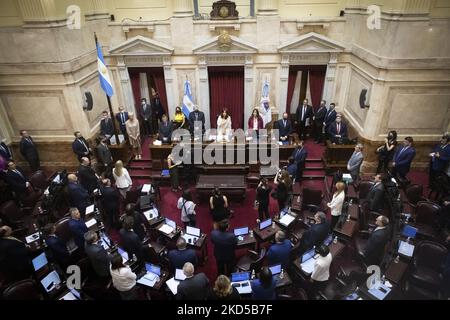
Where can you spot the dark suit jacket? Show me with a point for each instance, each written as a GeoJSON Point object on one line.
{"type": "Point", "coordinates": [58, 249]}
{"type": "Point", "coordinates": [106, 127]}
{"type": "Point", "coordinates": [279, 253]}
{"type": "Point", "coordinates": [78, 229]}
{"type": "Point", "coordinates": [200, 117]}
{"type": "Point", "coordinates": [309, 114]}
{"type": "Point", "coordinates": [315, 235]}
{"type": "Point", "coordinates": [195, 288]}
{"type": "Point", "coordinates": [300, 156]}
{"type": "Point", "coordinates": [374, 250]}
{"type": "Point", "coordinates": [261, 293]}
{"type": "Point", "coordinates": [17, 182]}
{"type": "Point", "coordinates": [158, 109]}
{"type": "Point", "coordinates": [375, 197]}
{"type": "Point", "coordinates": [122, 126]}
{"type": "Point", "coordinates": [100, 259]}
{"type": "Point", "coordinates": [441, 163]}
{"type": "Point", "coordinates": [131, 243]}
{"type": "Point", "coordinates": [110, 198]}
{"type": "Point", "coordinates": [104, 154]}
{"type": "Point", "coordinates": [79, 149]}
{"type": "Point", "coordinates": [284, 130]}
{"type": "Point", "coordinates": [5, 152]}
{"type": "Point", "coordinates": [87, 178]}
{"type": "Point", "coordinates": [147, 113]}
{"type": "Point", "coordinates": [28, 150]}
{"type": "Point", "coordinates": [14, 256]}
{"type": "Point", "coordinates": [320, 115]}
{"type": "Point", "coordinates": [224, 245]}
{"type": "Point", "coordinates": [330, 117]}
{"type": "Point", "coordinates": [178, 258]}
{"type": "Point", "coordinates": [79, 196]}
{"type": "Point", "coordinates": [165, 131]}
{"type": "Point", "coordinates": [332, 131]}
{"type": "Point", "coordinates": [403, 159]}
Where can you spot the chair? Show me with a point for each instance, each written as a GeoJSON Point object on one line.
{"type": "Point", "coordinates": [426, 215]}
{"type": "Point", "coordinates": [251, 261]}
{"type": "Point", "coordinates": [14, 215]}
{"type": "Point", "coordinates": [132, 196]}
{"type": "Point", "coordinates": [312, 202]}
{"type": "Point", "coordinates": [39, 180]}
{"type": "Point", "coordinates": [364, 189]}
{"type": "Point", "coordinates": [253, 176]}
{"type": "Point", "coordinates": [23, 290]}
{"type": "Point", "coordinates": [293, 294]}
{"type": "Point", "coordinates": [413, 195]}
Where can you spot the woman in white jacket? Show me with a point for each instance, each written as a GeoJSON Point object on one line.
{"type": "Point", "coordinates": [336, 203]}
{"type": "Point", "coordinates": [223, 125]}
{"type": "Point", "coordinates": [123, 279]}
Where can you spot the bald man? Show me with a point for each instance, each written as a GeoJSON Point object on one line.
{"type": "Point", "coordinates": [79, 196]}
{"type": "Point", "coordinates": [194, 287]}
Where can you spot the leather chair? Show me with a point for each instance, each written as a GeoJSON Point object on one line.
{"type": "Point", "coordinates": [414, 194]}
{"type": "Point", "coordinates": [39, 180]}
{"type": "Point", "coordinates": [311, 202]}
{"type": "Point", "coordinates": [293, 293]}
{"type": "Point", "coordinates": [426, 215]}
{"type": "Point", "coordinates": [14, 215]}
{"type": "Point", "coordinates": [23, 290]}
{"type": "Point", "coordinates": [132, 196]}
{"type": "Point", "coordinates": [363, 189]}
{"type": "Point", "coordinates": [251, 261]}
{"type": "Point", "coordinates": [253, 176]}
{"type": "Point", "coordinates": [428, 266]}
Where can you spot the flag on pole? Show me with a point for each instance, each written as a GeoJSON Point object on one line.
{"type": "Point", "coordinates": [264, 110]}
{"type": "Point", "coordinates": [188, 103]}
{"type": "Point", "coordinates": [105, 80]}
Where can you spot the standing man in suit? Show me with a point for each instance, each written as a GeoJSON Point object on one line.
{"type": "Point", "coordinates": [354, 164]}
{"type": "Point", "coordinates": [330, 117]}
{"type": "Point", "coordinates": [224, 248]}
{"type": "Point", "coordinates": [195, 117]}
{"type": "Point", "coordinates": [16, 179]}
{"type": "Point", "coordinates": [130, 240]}
{"type": "Point", "coordinates": [106, 125]}
{"type": "Point", "coordinates": [104, 157]}
{"type": "Point", "coordinates": [316, 234]}
{"type": "Point", "coordinates": [159, 110]}
{"type": "Point", "coordinates": [15, 262]}
{"type": "Point", "coordinates": [77, 227]}
{"type": "Point", "coordinates": [181, 255]}
{"type": "Point", "coordinates": [146, 114]}
{"type": "Point", "coordinates": [29, 151]}
{"type": "Point", "coordinates": [279, 252]}
{"type": "Point", "coordinates": [111, 202]}
{"type": "Point", "coordinates": [374, 251]}
{"type": "Point", "coordinates": [440, 158]}
{"type": "Point", "coordinates": [57, 246]}
{"type": "Point", "coordinates": [165, 130]}
{"type": "Point", "coordinates": [285, 128]}
{"type": "Point", "coordinates": [299, 156]}
{"type": "Point", "coordinates": [87, 176]}
{"type": "Point", "coordinates": [80, 146]}
{"type": "Point", "coordinates": [122, 118]}
{"type": "Point", "coordinates": [337, 130]}
{"type": "Point", "coordinates": [79, 196]}
{"type": "Point", "coordinates": [194, 287]}
{"type": "Point", "coordinates": [375, 197]}
{"type": "Point", "coordinates": [304, 117]}
{"type": "Point", "coordinates": [401, 164]}
{"type": "Point", "coordinates": [99, 257]}
{"type": "Point", "coordinates": [319, 119]}
{"type": "Point", "coordinates": [5, 152]}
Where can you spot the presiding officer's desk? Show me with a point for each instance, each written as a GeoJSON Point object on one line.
{"type": "Point", "coordinates": [233, 187]}
{"type": "Point", "coordinates": [337, 155]}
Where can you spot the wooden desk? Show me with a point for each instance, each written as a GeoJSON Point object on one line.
{"type": "Point", "coordinates": [171, 236]}
{"type": "Point", "coordinates": [202, 245]}
{"type": "Point", "coordinates": [158, 285]}
{"type": "Point", "coordinates": [120, 152]}
{"type": "Point", "coordinates": [265, 235]}
{"type": "Point", "coordinates": [336, 156]}
{"type": "Point", "coordinates": [248, 241]}
{"type": "Point", "coordinates": [232, 186]}
{"type": "Point", "coordinates": [286, 281]}
{"type": "Point", "coordinates": [395, 271]}
{"type": "Point", "coordinates": [353, 211]}
{"type": "Point", "coordinates": [348, 229]}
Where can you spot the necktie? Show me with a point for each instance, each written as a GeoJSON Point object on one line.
{"type": "Point", "coordinates": [338, 128]}
{"type": "Point", "coordinates": [123, 118]}
{"type": "Point", "coordinates": [196, 116]}
{"type": "Point", "coordinates": [284, 123]}
{"type": "Point", "coordinates": [84, 144]}
{"type": "Point", "coordinates": [29, 140]}
{"type": "Point", "coordinates": [304, 112]}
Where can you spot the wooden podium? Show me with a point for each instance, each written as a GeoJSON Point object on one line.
{"type": "Point", "coordinates": [336, 156]}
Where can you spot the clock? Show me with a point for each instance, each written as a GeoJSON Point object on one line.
{"type": "Point", "coordinates": [224, 12]}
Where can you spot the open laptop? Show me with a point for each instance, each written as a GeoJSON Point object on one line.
{"type": "Point", "coordinates": [241, 281]}
{"type": "Point", "coordinates": [50, 281]}
{"type": "Point", "coordinates": [328, 240]}
{"type": "Point", "coordinates": [168, 227]}
{"type": "Point", "coordinates": [264, 224]}
{"type": "Point", "coordinates": [308, 261]}
{"type": "Point", "coordinates": [192, 234]}
{"type": "Point", "coordinates": [150, 275]}
{"type": "Point", "coordinates": [124, 255]}
{"type": "Point", "coordinates": [179, 275]}
{"type": "Point", "coordinates": [105, 241]}
{"type": "Point", "coordinates": [39, 262]}
{"type": "Point", "coordinates": [151, 214]}
{"type": "Point", "coordinates": [276, 271]}
{"type": "Point", "coordinates": [144, 202]}
{"type": "Point", "coordinates": [71, 295]}
{"type": "Point", "coordinates": [241, 232]}
{"type": "Point", "coordinates": [409, 231]}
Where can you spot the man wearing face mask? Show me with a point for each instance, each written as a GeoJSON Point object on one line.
{"type": "Point", "coordinates": [304, 117]}
{"type": "Point", "coordinates": [158, 108]}
{"type": "Point", "coordinates": [165, 130]}
{"type": "Point", "coordinates": [106, 125]}
{"type": "Point", "coordinates": [319, 119]}
{"type": "Point", "coordinates": [337, 130]}
{"type": "Point", "coordinates": [330, 117]}
{"type": "Point", "coordinates": [80, 146]}
{"type": "Point", "coordinates": [146, 114]}
{"type": "Point", "coordinates": [285, 128]}
{"type": "Point", "coordinates": [440, 158]}
{"type": "Point", "coordinates": [196, 116]}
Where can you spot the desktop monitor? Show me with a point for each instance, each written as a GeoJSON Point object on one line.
{"type": "Point", "coordinates": [308, 255]}
{"type": "Point", "coordinates": [153, 268]}
{"type": "Point", "coordinates": [50, 280]}
{"type": "Point", "coordinates": [276, 269]}
{"type": "Point", "coordinates": [240, 276]}
{"type": "Point", "coordinates": [241, 231]}
{"type": "Point", "coordinates": [409, 231]}
{"type": "Point", "coordinates": [171, 223]}
{"type": "Point", "coordinates": [193, 231]}
{"type": "Point", "coordinates": [179, 275]}
{"type": "Point", "coordinates": [264, 224]}
{"type": "Point", "coordinates": [40, 261]}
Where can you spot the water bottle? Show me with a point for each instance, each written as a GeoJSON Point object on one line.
{"type": "Point", "coordinates": [335, 240]}
{"type": "Point", "coordinates": [298, 199]}
{"type": "Point", "coordinates": [383, 279]}
{"type": "Point", "coordinates": [282, 274]}
{"type": "Point", "coordinates": [397, 259]}
{"type": "Point", "coordinates": [273, 224]}
{"type": "Point", "coordinates": [253, 274]}
{"type": "Point", "coordinates": [348, 217]}
{"type": "Point", "coordinates": [251, 233]}
{"type": "Point", "coordinates": [289, 210]}
{"type": "Point", "coordinates": [134, 258]}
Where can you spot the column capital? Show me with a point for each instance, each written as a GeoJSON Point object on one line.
{"type": "Point", "coordinates": [182, 8]}
{"type": "Point", "coordinates": [268, 7]}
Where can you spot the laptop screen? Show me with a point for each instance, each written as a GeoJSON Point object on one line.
{"type": "Point", "coordinates": [144, 201]}
{"type": "Point", "coordinates": [179, 275]}
{"type": "Point", "coordinates": [171, 223]}
{"type": "Point", "coordinates": [75, 293]}
{"type": "Point", "coordinates": [241, 231]}
{"type": "Point", "coordinates": [50, 281]}
{"type": "Point", "coordinates": [328, 240]}
{"type": "Point", "coordinates": [123, 253]}
{"type": "Point", "coordinates": [276, 269]}
{"type": "Point", "coordinates": [409, 231]}
{"type": "Point", "coordinates": [308, 255]}
{"type": "Point", "coordinates": [240, 276]}
{"type": "Point", "coordinates": [193, 231]}
{"type": "Point", "coordinates": [265, 224]}
{"type": "Point", "coordinates": [153, 268]}
{"type": "Point", "coordinates": [40, 261]}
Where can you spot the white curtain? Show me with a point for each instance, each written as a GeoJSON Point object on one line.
{"type": "Point", "coordinates": [308, 91]}
{"type": "Point", "coordinates": [296, 94]}
{"type": "Point", "coordinates": [144, 87]}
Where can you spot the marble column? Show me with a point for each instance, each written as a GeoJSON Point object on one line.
{"type": "Point", "coordinates": [248, 89]}
{"type": "Point", "coordinates": [182, 8]}
{"type": "Point", "coordinates": [283, 88]}
{"type": "Point", "coordinates": [204, 90]}
{"type": "Point", "coordinates": [127, 91]}
{"type": "Point", "coordinates": [168, 77]}
{"type": "Point", "coordinates": [268, 7]}
{"type": "Point", "coordinates": [37, 10]}
{"type": "Point", "coordinates": [330, 77]}
{"type": "Point", "coordinates": [98, 9]}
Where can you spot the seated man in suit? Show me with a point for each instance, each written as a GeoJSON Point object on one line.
{"type": "Point", "coordinates": [77, 227]}
{"type": "Point", "coordinates": [98, 256]}
{"type": "Point", "coordinates": [5, 151]}
{"type": "Point", "coordinates": [79, 196]}
{"type": "Point", "coordinates": [17, 180]}
{"type": "Point", "coordinates": [181, 255]}
{"type": "Point", "coordinates": [57, 246]}
{"type": "Point", "coordinates": [122, 118]}
{"type": "Point", "coordinates": [285, 128]}
{"type": "Point", "coordinates": [337, 130]}
{"type": "Point", "coordinates": [401, 164]}
{"type": "Point", "coordinates": [224, 248]}
{"type": "Point", "coordinates": [199, 117]}
{"type": "Point", "coordinates": [375, 197]}
{"type": "Point", "coordinates": [316, 234]}
{"type": "Point", "coordinates": [130, 240]}
{"type": "Point", "coordinates": [111, 203]}
{"type": "Point", "coordinates": [194, 287]}
{"type": "Point", "coordinates": [87, 176]}
{"type": "Point", "coordinates": [374, 251]}
{"type": "Point", "coordinates": [106, 125]}
{"type": "Point", "coordinates": [80, 146]}
{"type": "Point", "coordinates": [165, 130]}
{"type": "Point", "coordinates": [279, 252]}
{"type": "Point", "coordinates": [355, 161]}
{"type": "Point", "coordinates": [299, 156]}
{"type": "Point", "coordinates": [330, 117]}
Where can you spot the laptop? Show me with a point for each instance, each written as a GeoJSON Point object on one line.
{"type": "Point", "coordinates": [105, 241]}
{"type": "Point", "coordinates": [241, 281]}
{"type": "Point", "coordinates": [328, 240]}
{"type": "Point", "coordinates": [124, 255]}
{"type": "Point", "coordinates": [286, 219]}
{"type": "Point", "coordinates": [192, 234]}
{"type": "Point", "coordinates": [264, 224]}
{"type": "Point", "coordinates": [409, 231]}
{"type": "Point", "coordinates": [405, 248]}
{"type": "Point", "coordinates": [152, 271]}
{"type": "Point", "coordinates": [276, 271]}
{"type": "Point", "coordinates": [241, 232]}
{"type": "Point", "coordinates": [308, 261]}
{"type": "Point", "coordinates": [151, 214]}
{"type": "Point", "coordinates": [168, 227]}
{"type": "Point", "coordinates": [71, 295]}
{"type": "Point", "coordinates": [179, 275]}
{"type": "Point", "coordinates": [144, 202]}
{"type": "Point", "coordinates": [39, 262]}
{"type": "Point", "coordinates": [50, 281]}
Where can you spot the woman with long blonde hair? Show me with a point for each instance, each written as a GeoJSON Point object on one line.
{"type": "Point", "coordinates": [336, 203]}
{"type": "Point", "coordinates": [123, 179]}
{"type": "Point", "coordinates": [223, 290]}
{"type": "Point", "coordinates": [134, 134]}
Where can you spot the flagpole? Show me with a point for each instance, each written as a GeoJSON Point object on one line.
{"type": "Point", "coordinates": [111, 112]}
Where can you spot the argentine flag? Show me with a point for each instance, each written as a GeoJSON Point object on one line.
{"type": "Point", "coordinates": [264, 110]}
{"type": "Point", "coordinates": [188, 104]}
{"type": "Point", "coordinates": [105, 80]}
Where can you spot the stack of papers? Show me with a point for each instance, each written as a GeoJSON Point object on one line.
{"type": "Point", "coordinates": [157, 143]}
{"type": "Point", "coordinates": [33, 237]}
{"type": "Point", "coordinates": [308, 266]}
{"type": "Point", "coordinates": [146, 188]}
{"type": "Point", "coordinates": [149, 280]}
{"type": "Point", "coordinates": [91, 223]}
{"type": "Point", "coordinates": [166, 229]}
{"type": "Point", "coordinates": [173, 285]}
{"type": "Point", "coordinates": [286, 220]}
{"type": "Point", "coordinates": [380, 291]}
{"type": "Point", "coordinates": [113, 141]}
{"type": "Point", "coordinates": [90, 209]}
{"type": "Point", "coordinates": [406, 249]}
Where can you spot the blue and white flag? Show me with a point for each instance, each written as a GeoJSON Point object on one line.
{"type": "Point", "coordinates": [103, 74]}
{"type": "Point", "coordinates": [188, 103]}
{"type": "Point", "coordinates": [264, 110]}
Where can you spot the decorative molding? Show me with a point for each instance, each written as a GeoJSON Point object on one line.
{"type": "Point", "coordinates": [311, 43]}
{"type": "Point", "coordinates": [213, 26]}
{"type": "Point", "coordinates": [143, 61]}
{"type": "Point", "coordinates": [141, 46]}
{"type": "Point", "coordinates": [301, 25]}
{"type": "Point", "coordinates": [149, 26]}
{"type": "Point", "coordinates": [237, 46]}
